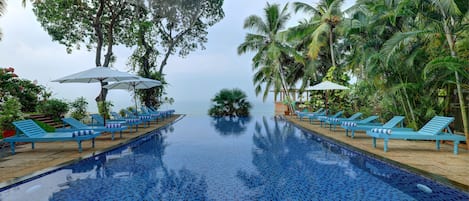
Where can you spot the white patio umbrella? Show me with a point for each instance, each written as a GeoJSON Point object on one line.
{"type": "Point", "coordinates": [97, 74]}
{"type": "Point", "coordinates": [327, 85]}
{"type": "Point", "coordinates": [134, 84]}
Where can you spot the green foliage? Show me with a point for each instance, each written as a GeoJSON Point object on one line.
{"type": "Point", "coordinates": [28, 93]}
{"type": "Point", "coordinates": [45, 126]}
{"type": "Point", "coordinates": [231, 103]}
{"type": "Point", "coordinates": [54, 107]}
{"type": "Point", "coordinates": [105, 109]}
{"type": "Point", "coordinates": [10, 111]}
{"type": "Point", "coordinates": [79, 108]}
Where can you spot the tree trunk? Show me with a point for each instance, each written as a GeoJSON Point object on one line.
{"type": "Point", "coordinates": [331, 45]}
{"type": "Point", "coordinates": [450, 38]}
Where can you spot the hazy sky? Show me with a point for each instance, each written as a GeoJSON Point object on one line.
{"type": "Point", "coordinates": [30, 50]}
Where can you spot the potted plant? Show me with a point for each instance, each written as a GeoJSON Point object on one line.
{"type": "Point", "coordinates": [10, 111]}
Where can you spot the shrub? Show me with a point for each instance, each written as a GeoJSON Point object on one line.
{"type": "Point", "coordinates": [79, 107]}
{"type": "Point", "coordinates": [10, 111]}
{"type": "Point", "coordinates": [54, 107]}
{"type": "Point", "coordinates": [230, 102]}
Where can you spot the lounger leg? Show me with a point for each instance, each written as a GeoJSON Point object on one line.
{"type": "Point", "coordinates": [121, 134]}
{"type": "Point", "coordinates": [32, 145]}
{"type": "Point", "coordinates": [385, 144]}
{"type": "Point", "coordinates": [374, 142]}
{"type": "Point", "coordinates": [455, 149]}
{"type": "Point", "coordinates": [438, 145]}
{"type": "Point", "coordinates": [12, 147]}
{"type": "Point", "coordinates": [353, 133]}
{"type": "Point", "coordinates": [346, 132]}
{"type": "Point", "coordinates": [112, 135]}
{"type": "Point", "coordinates": [79, 146]}
{"type": "Point", "coordinates": [92, 142]}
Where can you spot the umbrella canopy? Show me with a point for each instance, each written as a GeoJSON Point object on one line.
{"type": "Point", "coordinates": [96, 74]}
{"type": "Point", "coordinates": [327, 85]}
{"type": "Point", "coordinates": [133, 84]}
{"type": "Point", "coordinates": [140, 83]}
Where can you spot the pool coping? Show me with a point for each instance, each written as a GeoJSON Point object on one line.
{"type": "Point", "coordinates": [40, 173]}
{"type": "Point", "coordinates": [431, 176]}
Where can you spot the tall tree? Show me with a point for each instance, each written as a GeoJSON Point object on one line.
{"type": "Point", "coordinates": [326, 17]}
{"type": "Point", "coordinates": [268, 42]}
{"type": "Point", "coordinates": [98, 24]}
{"type": "Point", "coordinates": [168, 27]}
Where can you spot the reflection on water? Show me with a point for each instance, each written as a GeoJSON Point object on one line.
{"type": "Point", "coordinates": [230, 125]}
{"type": "Point", "coordinates": [264, 159]}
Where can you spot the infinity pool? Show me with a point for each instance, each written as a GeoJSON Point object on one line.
{"type": "Point", "coordinates": [200, 158]}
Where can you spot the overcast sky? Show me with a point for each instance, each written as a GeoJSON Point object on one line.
{"type": "Point", "coordinates": [30, 50]}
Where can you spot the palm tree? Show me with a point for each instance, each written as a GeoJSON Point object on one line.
{"type": "Point", "coordinates": [271, 49]}
{"type": "Point", "coordinates": [326, 17]}
{"type": "Point", "coordinates": [231, 103]}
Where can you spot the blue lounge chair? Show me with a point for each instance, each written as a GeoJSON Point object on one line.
{"type": "Point", "coordinates": [29, 131]}
{"type": "Point", "coordinates": [144, 118]}
{"type": "Point", "coordinates": [128, 120]}
{"type": "Point", "coordinates": [432, 130]}
{"type": "Point", "coordinates": [322, 118]}
{"type": "Point", "coordinates": [300, 114]}
{"type": "Point", "coordinates": [357, 126]}
{"type": "Point", "coordinates": [166, 113]}
{"type": "Point", "coordinates": [334, 121]}
{"type": "Point", "coordinates": [97, 119]}
{"type": "Point", "coordinates": [77, 125]}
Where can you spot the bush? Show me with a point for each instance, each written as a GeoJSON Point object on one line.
{"type": "Point", "coordinates": [10, 111]}
{"type": "Point", "coordinates": [79, 107]}
{"type": "Point", "coordinates": [230, 102]}
{"type": "Point", "coordinates": [54, 107]}
{"type": "Point", "coordinates": [101, 111]}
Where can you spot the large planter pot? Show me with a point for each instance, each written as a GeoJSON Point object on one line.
{"type": "Point", "coordinates": [8, 133]}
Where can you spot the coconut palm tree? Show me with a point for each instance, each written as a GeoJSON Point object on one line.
{"type": "Point", "coordinates": [269, 43]}
{"type": "Point", "coordinates": [326, 17]}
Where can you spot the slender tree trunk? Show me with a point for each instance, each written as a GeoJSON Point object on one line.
{"type": "Point", "coordinates": [331, 45]}
{"type": "Point", "coordinates": [99, 32]}
{"type": "Point", "coordinates": [451, 41]}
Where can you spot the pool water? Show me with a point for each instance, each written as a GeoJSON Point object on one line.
{"type": "Point", "coordinates": [257, 158]}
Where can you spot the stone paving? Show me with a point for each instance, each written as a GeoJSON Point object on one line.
{"type": "Point", "coordinates": [417, 156]}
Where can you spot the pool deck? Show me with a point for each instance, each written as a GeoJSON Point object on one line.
{"type": "Point", "coordinates": [27, 162]}
{"type": "Point", "coordinates": [418, 156]}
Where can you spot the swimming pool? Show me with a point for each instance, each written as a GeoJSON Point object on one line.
{"type": "Point", "coordinates": [259, 158]}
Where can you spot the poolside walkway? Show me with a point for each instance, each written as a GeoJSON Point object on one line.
{"type": "Point", "coordinates": [417, 156]}
{"type": "Point", "coordinates": [46, 156]}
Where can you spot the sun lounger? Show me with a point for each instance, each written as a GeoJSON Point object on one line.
{"type": "Point", "coordinates": [300, 114]}
{"type": "Point", "coordinates": [357, 126]}
{"type": "Point", "coordinates": [77, 125]}
{"type": "Point", "coordinates": [433, 130]}
{"type": "Point", "coordinates": [144, 118]}
{"type": "Point", "coordinates": [29, 131]}
{"type": "Point", "coordinates": [334, 121]}
{"type": "Point", "coordinates": [323, 118]}
{"type": "Point", "coordinates": [128, 120]}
